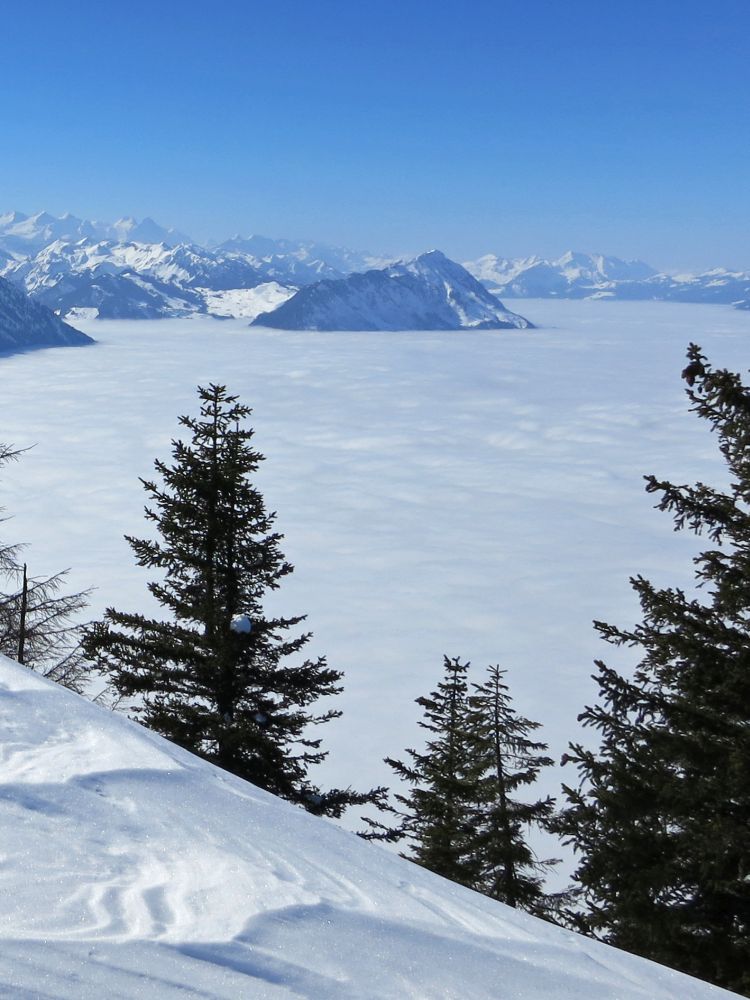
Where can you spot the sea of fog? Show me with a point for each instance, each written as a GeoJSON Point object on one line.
{"type": "Point", "coordinates": [471, 494]}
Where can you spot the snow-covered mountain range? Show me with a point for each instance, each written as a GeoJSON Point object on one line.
{"type": "Point", "coordinates": [25, 324]}
{"type": "Point", "coordinates": [131, 269]}
{"type": "Point", "coordinates": [581, 276]}
{"type": "Point", "coordinates": [28, 234]}
{"type": "Point", "coordinates": [133, 869]}
{"type": "Point", "coordinates": [140, 270]}
{"type": "Point", "coordinates": [430, 292]}
{"type": "Point", "coordinates": [131, 280]}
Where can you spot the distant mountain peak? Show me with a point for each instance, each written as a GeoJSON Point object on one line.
{"type": "Point", "coordinates": [429, 292]}
{"type": "Point", "coordinates": [431, 255]}
{"type": "Point", "coordinates": [572, 275]}
{"type": "Point", "coordinates": [44, 218]}
{"type": "Point", "coordinates": [11, 218]}
{"type": "Point", "coordinates": [148, 231]}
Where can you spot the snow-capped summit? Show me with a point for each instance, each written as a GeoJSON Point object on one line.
{"type": "Point", "coordinates": [258, 246]}
{"type": "Point", "coordinates": [430, 292]}
{"type": "Point", "coordinates": [147, 231]}
{"type": "Point", "coordinates": [8, 219]}
{"type": "Point", "coordinates": [28, 234]}
{"type": "Point", "coordinates": [133, 869]}
{"type": "Point", "coordinates": [593, 266]}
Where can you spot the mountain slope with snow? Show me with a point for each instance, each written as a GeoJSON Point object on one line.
{"type": "Point", "coordinates": [25, 323]}
{"type": "Point", "coordinates": [430, 292]}
{"type": "Point", "coordinates": [117, 281]}
{"type": "Point", "coordinates": [132, 280]}
{"type": "Point", "coordinates": [132, 869]}
{"type": "Point", "coordinates": [184, 266]}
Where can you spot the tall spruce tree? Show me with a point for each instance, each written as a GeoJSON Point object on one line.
{"type": "Point", "coordinates": [436, 814]}
{"type": "Point", "coordinates": [461, 817]}
{"type": "Point", "coordinates": [214, 676]}
{"type": "Point", "coordinates": [506, 760]}
{"type": "Point", "coordinates": [660, 817]}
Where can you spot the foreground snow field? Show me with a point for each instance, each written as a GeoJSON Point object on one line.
{"type": "Point", "coordinates": [131, 869]}
{"type": "Point", "coordinates": [475, 494]}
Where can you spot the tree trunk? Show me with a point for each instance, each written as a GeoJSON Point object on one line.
{"type": "Point", "coordinates": [22, 617]}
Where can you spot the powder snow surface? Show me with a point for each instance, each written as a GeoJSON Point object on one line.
{"type": "Point", "coordinates": [131, 869]}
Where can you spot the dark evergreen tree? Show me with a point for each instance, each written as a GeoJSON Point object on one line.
{"type": "Point", "coordinates": [436, 814]}
{"type": "Point", "coordinates": [660, 817]}
{"type": "Point", "coordinates": [214, 676]}
{"type": "Point", "coordinates": [461, 816]}
{"type": "Point", "coordinates": [507, 760]}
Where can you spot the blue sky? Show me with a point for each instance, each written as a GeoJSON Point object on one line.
{"type": "Point", "coordinates": [504, 126]}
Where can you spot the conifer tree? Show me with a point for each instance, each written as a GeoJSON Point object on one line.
{"type": "Point", "coordinates": [435, 815]}
{"type": "Point", "coordinates": [214, 675]}
{"type": "Point", "coordinates": [660, 817]}
{"type": "Point", "coordinates": [506, 759]}
{"type": "Point", "coordinates": [8, 553]}
{"type": "Point", "coordinates": [462, 817]}
{"type": "Point", "coordinates": [39, 627]}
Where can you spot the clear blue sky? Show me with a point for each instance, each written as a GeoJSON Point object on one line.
{"type": "Point", "coordinates": [505, 126]}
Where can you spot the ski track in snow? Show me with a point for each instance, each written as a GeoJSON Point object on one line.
{"type": "Point", "coordinates": [475, 494]}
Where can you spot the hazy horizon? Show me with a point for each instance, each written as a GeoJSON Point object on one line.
{"type": "Point", "coordinates": [560, 250]}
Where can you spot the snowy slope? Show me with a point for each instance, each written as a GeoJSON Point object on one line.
{"type": "Point", "coordinates": [24, 323]}
{"type": "Point", "coordinates": [132, 869]}
{"type": "Point", "coordinates": [430, 292]}
{"type": "Point", "coordinates": [246, 303]}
